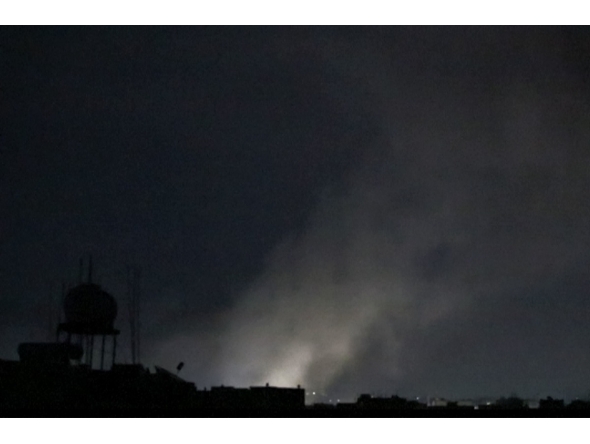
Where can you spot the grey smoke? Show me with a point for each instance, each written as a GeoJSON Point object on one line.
{"type": "Point", "coordinates": [475, 191]}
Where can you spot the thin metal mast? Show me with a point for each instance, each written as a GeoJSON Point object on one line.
{"type": "Point", "coordinates": [90, 270]}
{"type": "Point", "coordinates": [133, 298]}
{"type": "Point", "coordinates": [137, 318]}
{"type": "Point", "coordinates": [81, 271]}
{"type": "Point", "coordinates": [130, 296]}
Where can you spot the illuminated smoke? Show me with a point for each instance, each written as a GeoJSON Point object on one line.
{"type": "Point", "coordinates": [467, 195]}
{"type": "Point", "coordinates": [422, 233]}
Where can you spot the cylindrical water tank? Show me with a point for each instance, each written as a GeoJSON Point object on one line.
{"type": "Point", "coordinates": [90, 307]}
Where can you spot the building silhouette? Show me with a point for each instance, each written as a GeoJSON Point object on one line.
{"type": "Point", "coordinates": [74, 373]}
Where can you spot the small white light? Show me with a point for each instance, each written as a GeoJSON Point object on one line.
{"type": "Point", "coordinates": [313, 393]}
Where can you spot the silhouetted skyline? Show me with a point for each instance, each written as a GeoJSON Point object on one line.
{"type": "Point", "coordinates": [356, 210]}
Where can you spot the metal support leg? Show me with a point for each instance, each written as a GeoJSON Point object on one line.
{"type": "Point", "coordinates": [102, 353]}
{"type": "Point", "coordinates": [91, 351]}
{"type": "Point", "coordinates": [114, 348]}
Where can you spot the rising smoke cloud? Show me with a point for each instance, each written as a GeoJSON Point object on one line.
{"type": "Point", "coordinates": [473, 191]}
{"type": "Point", "coordinates": [465, 199]}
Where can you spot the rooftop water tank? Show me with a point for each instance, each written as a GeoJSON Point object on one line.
{"type": "Point", "coordinates": [91, 308]}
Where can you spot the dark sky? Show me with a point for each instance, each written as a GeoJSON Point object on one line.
{"type": "Point", "coordinates": [386, 210]}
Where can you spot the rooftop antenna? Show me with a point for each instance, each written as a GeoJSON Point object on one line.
{"type": "Point", "coordinates": [133, 295]}
{"type": "Point", "coordinates": [137, 318]}
{"type": "Point", "coordinates": [50, 313]}
{"type": "Point", "coordinates": [59, 311]}
{"type": "Point", "coordinates": [131, 314]}
{"type": "Point", "coordinates": [90, 269]}
{"type": "Point", "coordinates": [81, 271]}
{"type": "Point", "coordinates": [61, 302]}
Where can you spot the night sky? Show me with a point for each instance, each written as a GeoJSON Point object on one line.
{"type": "Point", "coordinates": [384, 210]}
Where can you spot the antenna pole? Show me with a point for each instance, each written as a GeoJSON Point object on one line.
{"type": "Point", "coordinates": [130, 296]}
{"type": "Point", "coordinates": [137, 319]}
{"type": "Point", "coordinates": [81, 271]}
{"type": "Point", "coordinates": [133, 296]}
{"type": "Point", "coordinates": [59, 318]}
{"type": "Point", "coordinates": [90, 270]}
{"type": "Point", "coordinates": [50, 314]}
